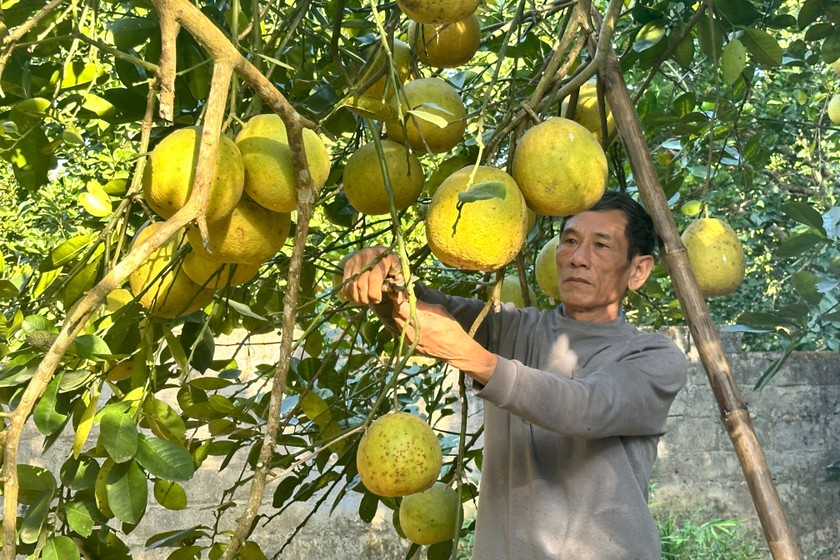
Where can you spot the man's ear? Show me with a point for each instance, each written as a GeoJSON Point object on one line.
{"type": "Point", "coordinates": [640, 268]}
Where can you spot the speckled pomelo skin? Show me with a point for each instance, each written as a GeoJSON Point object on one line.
{"type": "Point", "coordinates": [479, 235]}
{"type": "Point", "coordinates": [430, 516]}
{"type": "Point", "coordinates": [716, 256]}
{"type": "Point", "coordinates": [560, 168]}
{"type": "Point", "coordinates": [398, 455]}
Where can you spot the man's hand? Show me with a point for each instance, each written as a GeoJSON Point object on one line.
{"type": "Point", "coordinates": [442, 337]}
{"type": "Point", "coordinates": [366, 274]}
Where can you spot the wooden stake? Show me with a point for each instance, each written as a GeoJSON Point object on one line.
{"type": "Point", "coordinates": [734, 413]}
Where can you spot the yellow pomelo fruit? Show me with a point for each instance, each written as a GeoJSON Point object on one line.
{"type": "Point", "coordinates": [383, 87]}
{"type": "Point", "coordinates": [588, 112]}
{"type": "Point", "coordinates": [170, 170]}
{"type": "Point", "coordinates": [121, 371]}
{"type": "Point", "coordinates": [439, 118]}
{"type": "Point", "coordinates": [214, 275]}
{"type": "Point", "coordinates": [446, 45]}
{"type": "Point", "coordinates": [430, 516]}
{"type": "Point", "coordinates": [560, 168]}
{"type": "Point", "coordinates": [834, 109]}
{"type": "Point", "coordinates": [437, 11]}
{"type": "Point", "coordinates": [487, 233]}
{"type": "Point", "coordinates": [398, 455]}
{"type": "Point", "coordinates": [545, 268]}
{"type": "Point", "coordinates": [160, 282]}
{"type": "Point", "coordinates": [511, 291]}
{"type": "Point", "coordinates": [716, 256]}
{"type": "Point", "coordinates": [117, 299]}
{"type": "Point", "coordinates": [836, 66]}
{"type": "Point", "coordinates": [269, 172]}
{"type": "Point", "coordinates": [251, 234]}
{"type": "Point", "coordinates": [364, 183]}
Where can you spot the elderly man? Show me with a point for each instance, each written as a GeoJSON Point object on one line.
{"type": "Point", "coordinates": [575, 397]}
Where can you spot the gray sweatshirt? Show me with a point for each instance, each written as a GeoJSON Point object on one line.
{"type": "Point", "coordinates": [573, 413]}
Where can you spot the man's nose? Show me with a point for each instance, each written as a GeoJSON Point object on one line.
{"type": "Point", "coordinates": [580, 255]}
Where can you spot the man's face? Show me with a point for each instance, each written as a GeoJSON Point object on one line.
{"type": "Point", "coordinates": [592, 266]}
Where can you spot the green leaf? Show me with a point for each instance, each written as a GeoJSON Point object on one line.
{"type": "Point", "coordinates": [763, 47]}
{"type": "Point", "coordinates": [737, 12]}
{"type": "Point", "coordinates": [28, 113]}
{"type": "Point", "coordinates": [709, 37]}
{"type": "Point", "coordinates": [91, 347]}
{"type": "Point", "coordinates": [818, 31]}
{"type": "Point", "coordinates": [186, 553]}
{"type": "Point", "coordinates": [368, 506]}
{"type": "Point", "coordinates": [808, 14]}
{"type": "Point", "coordinates": [733, 61]}
{"type": "Point", "coordinates": [32, 482]}
{"type": "Point", "coordinates": [127, 491]}
{"type": "Point", "coordinates": [798, 244]}
{"type": "Point", "coordinates": [164, 459]}
{"type": "Point", "coordinates": [284, 491]}
{"type": "Point", "coordinates": [804, 214]}
{"type": "Point", "coordinates": [81, 283]}
{"type": "Point", "coordinates": [244, 310]}
{"type": "Point", "coordinates": [79, 474]}
{"type": "Point", "coordinates": [830, 49]}
{"type": "Point", "coordinates": [33, 520]}
{"type": "Point", "coordinates": [483, 191]}
{"type": "Point", "coordinates": [440, 550]}
{"type": "Point", "coordinates": [46, 415]}
{"type": "Point", "coordinates": [764, 320]}
{"type": "Point", "coordinates": [96, 201]}
{"type": "Point", "coordinates": [85, 424]}
{"type": "Point", "coordinates": [32, 158]}
{"type": "Point", "coordinates": [170, 495]}
{"type": "Point", "coordinates": [316, 409]}
{"type": "Point", "coordinates": [805, 284]}
{"type": "Point", "coordinates": [60, 548]}
{"type": "Point", "coordinates": [199, 340]}
{"type": "Point", "coordinates": [118, 435]}
{"type": "Point", "coordinates": [81, 516]}
{"type": "Point", "coordinates": [65, 252]}
{"type": "Point", "coordinates": [8, 290]}
{"type": "Point", "coordinates": [130, 32]}
{"type": "Point", "coordinates": [649, 35]}
{"type": "Point", "coordinates": [176, 538]}
{"type": "Point", "coordinates": [433, 118]}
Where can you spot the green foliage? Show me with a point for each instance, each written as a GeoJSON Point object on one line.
{"type": "Point", "coordinates": [733, 110]}
{"type": "Point", "coordinates": [717, 539]}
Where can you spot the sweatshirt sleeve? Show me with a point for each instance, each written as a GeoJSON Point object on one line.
{"type": "Point", "coordinates": [628, 397]}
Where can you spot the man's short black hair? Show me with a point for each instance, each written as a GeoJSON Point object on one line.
{"type": "Point", "coordinates": [639, 230]}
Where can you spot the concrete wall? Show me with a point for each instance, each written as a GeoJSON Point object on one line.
{"type": "Point", "coordinates": [796, 417]}
{"type": "Point", "coordinates": [797, 421]}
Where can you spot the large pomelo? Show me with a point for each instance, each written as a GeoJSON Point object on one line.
{"type": "Point", "coordinates": [560, 168]}
{"type": "Point", "coordinates": [588, 110]}
{"type": "Point", "coordinates": [439, 119]}
{"type": "Point", "coordinates": [364, 182]}
{"type": "Point", "coordinates": [398, 455]}
{"type": "Point", "coordinates": [437, 11]}
{"type": "Point", "coordinates": [545, 268]}
{"type": "Point", "coordinates": [479, 235]}
{"type": "Point", "coordinates": [251, 234]}
{"type": "Point", "coordinates": [446, 45]}
{"type": "Point", "coordinates": [269, 172]}
{"type": "Point", "coordinates": [716, 256]}
{"type": "Point", "coordinates": [216, 275]}
{"type": "Point", "coordinates": [170, 171]}
{"type": "Point", "coordinates": [511, 291]}
{"type": "Point", "coordinates": [383, 87]}
{"type": "Point", "coordinates": [430, 516]}
{"type": "Point", "coordinates": [161, 284]}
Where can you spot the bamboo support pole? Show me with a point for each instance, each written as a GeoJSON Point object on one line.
{"type": "Point", "coordinates": [734, 413]}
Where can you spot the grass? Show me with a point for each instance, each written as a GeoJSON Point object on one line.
{"type": "Point", "coordinates": [717, 539]}
{"type": "Point", "coordinates": [682, 539]}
